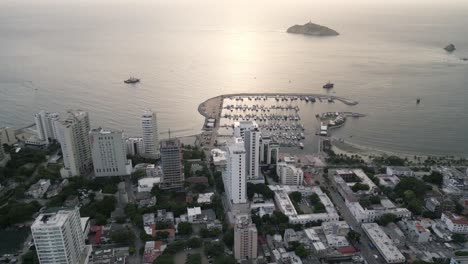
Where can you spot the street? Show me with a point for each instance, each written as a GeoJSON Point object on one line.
{"type": "Point", "coordinates": [363, 246]}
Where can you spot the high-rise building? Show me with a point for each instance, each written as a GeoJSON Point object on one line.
{"type": "Point", "coordinates": [109, 153]}
{"type": "Point", "coordinates": [171, 163]}
{"type": "Point", "coordinates": [245, 239]}
{"type": "Point", "coordinates": [149, 125]}
{"type": "Point", "coordinates": [134, 146]}
{"type": "Point", "coordinates": [59, 238]}
{"type": "Point", "coordinates": [234, 178]}
{"type": "Point", "coordinates": [250, 133]}
{"type": "Point", "coordinates": [2, 151]}
{"type": "Point", "coordinates": [269, 150]}
{"type": "Point", "coordinates": [73, 134]}
{"type": "Point", "coordinates": [45, 125]}
{"type": "Point", "coordinates": [8, 135]}
{"type": "Point", "coordinates": [289, 174]}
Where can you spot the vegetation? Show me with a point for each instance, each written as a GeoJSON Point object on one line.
{"type": "Point", "coordinates": [228, 238]}
{"type": "Point", "coordinates": [194, 259]}
{"type": "Point", "coordinates": [360, 187]}
{"type": "Point", "coordinates": [387, 219]}
{"type": "Point", "coordinates": [214, 249]}
{"type": "Point", "coordinates": [459, 238]}
{"type": "Point", "coordinates": [206, 233]}
{"type": "Point", "coordinates": [123, 236]}
{"type": "Point", "coordinates": [343, 159]}
{"type": "Point", "coordinates": [435, 178]}
{"type": "Point", "coordinates": [276, 223]}
{"type": "Point", "coordinates": [301, 251]}
{"type": "Point", "coordinates": [194, 242]}
{"type": "Point", "coordinates": [190, 152]}
{"type": "Point", "coordinates": [295, 197]}
{"type": "Point", "coordinates": [224, 259]}
{"type": "Point", "coordinates": [30, 257]}
{"type": "Point", "coordinates": [353, 236]}
{"type": "Point", "coordinates": [184, 228]}
{"type": "Point", "coordinates": [16, 213]}
{"type": "Point", "coordinates": [100, 210]}
{"type": "Point", "coordinates": [461, 253]}
{"type": "Point", "coordinates": [317, 204]}
{"type": "Point", "coordinates": [412, 191]}
{"type": "Point", "coordinates": [389, 161]}
{"type": "Point", "coordinates": [260, 189]}
{"type": "Point", "coordinates": [369, 200]}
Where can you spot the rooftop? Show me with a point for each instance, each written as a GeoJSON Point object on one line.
{"type": "Point", "coordinates": [52, 219]}
{"type": "Point", "coordinates": [384, 244]}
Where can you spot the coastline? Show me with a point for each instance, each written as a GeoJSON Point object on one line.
{"type": "Point", "coordinates": [340, 146]}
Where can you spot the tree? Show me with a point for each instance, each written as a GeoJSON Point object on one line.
{"type": "Point", "coordinates": [386, 219]}
{"type": "Point", "coordinates": [225, 260]}
{"type": "Point", "coordinates": [194, 259]}
{"type": "Point", "coordinates": [122, 236]}
{"type": "Point", "coordinates": [295, 196]}
{"type": "Point", "coordinates": [164, 259]}
{"type": "Point", "coordinates": [194, 242]}
{"type": "Point", "coordinates": [228, 238]}
{"type": "Point", "coordinates": [353, 236]}
{"type": "Point", "coordinates": [435, 178]}
{"type": "Point", "coordinates": [30, 257]}
{"type": "Point", "coordinates": [161, 235]}
{"type": "Point", "coordinates": [214, 249]}
{"type": "Point", "coordinates": [301, 251]}
{"type": "Point", "coordinates": [459, 238]}
{"type": "Point", "coordinates": [184, 228]}
{"type": "Point", "coordinates": [360, 187]}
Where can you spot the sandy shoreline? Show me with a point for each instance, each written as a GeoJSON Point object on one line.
{"type": "Point", "coordinates": [340, 146]}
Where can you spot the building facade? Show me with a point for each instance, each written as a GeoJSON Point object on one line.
{"type": "Point", "coordinates": [171, 162]}
{"type": "Point", "coordinates": [269, 150]}
{"type": "Point", "coordinates": [455, 223]}
{"type": "Point", "coordinates": [134, 146]}
{"type": "Point", "coordinates": [149, 126]}
{"type": "Point", "coordinates": [289, 175]}
{"type": "Point", "coordinates": [59, 238]}
{"type": "Point", "coordinates": [250, 134]}
{"type": "Point", "coordinates": [234, 177]}
{"type": "Point", "coordinates": [73, 135]}
{"type": "Point", "coordinates": [245, 239]}
{"type": "Point", "coordinates": [8, 135]}
{"type": "Point", "coordinates": [109, 153]}
{"type": "Point", "coordinates": [45, 125]}
{"type": "Point", "coordinates": [2, 151]}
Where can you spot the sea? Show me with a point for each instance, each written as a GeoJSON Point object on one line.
{"type": "Point", "coordinates": [58, 55]}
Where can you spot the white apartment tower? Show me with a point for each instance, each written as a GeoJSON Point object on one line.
{"type": "Point", "coordinates": [73, 135]}
{"type": "Point", "coordinates": [149, 125]}
{"type": "Point", "coordinates": [45, 125]}
{"type": "Point", "coordinates": [234, 177]}
{"type": "Point", "coordinates": [250, 133]}
{"type": "Point", "coordinates": [109, 153]}
{"type": "Point", "coordinates": [134, 146]}
{"type": "Point", "coordinates": [59, 238]}
{"type": "Point", "coordinates": [245, 239]}
{"type": "Point", "coordinates": [289, 174]}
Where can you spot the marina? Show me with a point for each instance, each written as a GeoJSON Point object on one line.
{"type": "Point", "coordinates": [291, 120]}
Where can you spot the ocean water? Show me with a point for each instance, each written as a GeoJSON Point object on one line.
{"type": "Point", "coordinates": [57, 55]}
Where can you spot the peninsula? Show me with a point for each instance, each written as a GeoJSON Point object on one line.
{"type": "Point", "coordinates": [312, 29]}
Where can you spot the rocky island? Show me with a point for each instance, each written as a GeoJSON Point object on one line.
{"type": "Point", "coordinates": [450, 48]}
{"type": "Point", "coordinates": [312, 29]}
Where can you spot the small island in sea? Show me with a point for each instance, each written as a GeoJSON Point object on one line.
{"type": "Point", "coordinates": [312, 29]}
